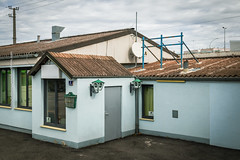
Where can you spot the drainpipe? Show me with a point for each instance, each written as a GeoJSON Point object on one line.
{"type": "Point", "coordinates": [137, 111]}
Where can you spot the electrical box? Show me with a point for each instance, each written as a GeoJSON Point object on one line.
{"type": "Point", "coordinates": [174, 113]}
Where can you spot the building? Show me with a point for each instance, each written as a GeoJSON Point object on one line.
{"type": "Point", "coordinates": [234, 45]}
{"type": "Point", "coordinates": [68, 98]}
{"type": "Point", "coordinates": [22, 95]}
{"type": "Point", "coordinates": [93, 118]}
{"type": "Point", "coordinates": [115, 43]}
{"type": "Point", "coordinates": [199, 103]}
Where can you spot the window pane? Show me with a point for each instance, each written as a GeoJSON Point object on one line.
{"type": "Point", "coordinates": [50, 108]}
{"type": "Point", "coordinates": [3, 87]}
{"type": "Point", "coordinates": [55, 112]}
{"type": "Point", "coordinates": [22, 87]}
{"type": "Point", "coordinates": [148, 101]}
{"type": "Point", "coordinates": [9, 86]}
{"type": "Point", "coordinates": [61, 104]}
{"type": "Point", "coordinates": [30, 91]}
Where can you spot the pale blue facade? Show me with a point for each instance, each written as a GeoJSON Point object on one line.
{"type": "Point", "coordinates": [11, 117]}
{"type": "Point", "coordinates": [85, 124]}
{"type": "Point", "coordinates": [208, 112]}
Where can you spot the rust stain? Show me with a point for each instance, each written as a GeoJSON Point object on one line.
{"type": "Point", "coordinates": [207, 67]}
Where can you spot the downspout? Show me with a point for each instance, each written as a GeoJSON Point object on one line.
{"type": "Point", "coordinates": [137, 111]}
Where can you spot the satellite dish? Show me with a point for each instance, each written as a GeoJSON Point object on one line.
{"type": "Point", "coordinates": [137, 49]}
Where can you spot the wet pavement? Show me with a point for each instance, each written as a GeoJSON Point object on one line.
{"type": "Point", "coordinates": [19, 146]}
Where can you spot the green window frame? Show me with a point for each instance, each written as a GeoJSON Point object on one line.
{"type": "Point", "coordinates": [5, 86]}
{"type": "Point", "coordinates": [54, 104]}
{"type": "Point", "coordinates": [147, 101]}
{"type": "Point", "coordinates": [24, 88]}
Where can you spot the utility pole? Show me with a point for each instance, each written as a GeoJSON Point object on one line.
{"type": "Point", "coordinates": [136, 27]}
{"type": "Point", "coordinates": [14, 22]}
{"type": "Point", "coordinates": [224, 28]}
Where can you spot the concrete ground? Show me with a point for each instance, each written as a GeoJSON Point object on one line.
{"type": "Point", "coordinates": [18, 146]}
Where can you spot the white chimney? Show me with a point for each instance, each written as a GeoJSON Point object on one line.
{"type": "Point", "coordinates": [38, 38]}
{"type": "Point", "coordinates": [56, 30]}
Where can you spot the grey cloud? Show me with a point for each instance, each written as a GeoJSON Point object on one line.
{"type": "Point", "coordinates": [155, 17]}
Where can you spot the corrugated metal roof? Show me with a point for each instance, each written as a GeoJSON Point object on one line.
{"type": "Point", "coordinates": [76, 65]}
{"type": "Point", "coordinates": [227, 67]}
{"type": "Point", "coordinates": [64, 43]}
{"type": "Point", "coordinates": [67, 43]}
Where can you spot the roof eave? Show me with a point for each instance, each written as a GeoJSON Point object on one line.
{"type": "Point", "coordinates": [192, 78]}
{"type": "Point", "coordinates": [131, 76]}
{"type": "Point", "coordinates": [43, 60]}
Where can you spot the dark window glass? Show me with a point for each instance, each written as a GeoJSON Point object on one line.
{"type": "Point", "coordinates": [147, 101]}
{"type": "Point", "coordinates": [5, 87]}
{"type": "Point", "coordinates": [55, 112]}
{"type": "Point", "coordinates": [24, 89]}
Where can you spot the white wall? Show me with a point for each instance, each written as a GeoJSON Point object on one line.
{"type": "Point", "coordinates": [38, 112]}
{"type": "Point", "coordinates": [91, 110]}
{"type": "Point", "coordinates": [12, 117]}
{"type": "Point", "coordinates": [207, 111]}
{"type": "Point", "coordinates": [19, 62]}
{"type": "Point", "coordinates": [86, 121]}
{"type": "Point", "coordinates": [225, 114]}
{"type": "Point", "coordinates": [120, 49]}
{"type": "Point", "coordinates": [191, 99]}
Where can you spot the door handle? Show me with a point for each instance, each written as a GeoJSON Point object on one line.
{"type": "Point", "coordinates": [106, 114]}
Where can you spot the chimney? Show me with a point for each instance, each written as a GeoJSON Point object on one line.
{"type": "Point", "coordinates": [56, 30]}
{"type": "Point", "coordinates": [185, 66]}
{"type": "Point", "coordinates": [38, 38]}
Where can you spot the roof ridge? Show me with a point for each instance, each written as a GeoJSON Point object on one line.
{"type": "Point", "coordinates": [72, 36]}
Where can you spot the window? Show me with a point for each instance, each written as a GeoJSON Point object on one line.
{"type": "Point", "coordinates": [54, 107]}
{"type": "Point", "coordinates": [147, 101]}
{"type": "Point", "coordinates": [24, 88]}
{"type": "Point", "coordinates": [5, 87]}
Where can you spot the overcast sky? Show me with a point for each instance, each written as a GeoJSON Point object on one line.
{"type": "Point", "coordinates": [201, 21]}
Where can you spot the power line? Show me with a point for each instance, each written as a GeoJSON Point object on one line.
{"type": "Point", "coordinates": [41, 6]}
{"type": "Point", "coordinates": [19, 3]}
{"type": "Point", "coordinates": [31, 3]}
{"type": "Point", "coordinates": [204, 22]}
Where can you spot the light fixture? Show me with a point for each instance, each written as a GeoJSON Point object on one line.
{"type": "Point", "coordinates": [96, 86]}
{"type": "Point", "coordinates": [136, 84]}
{"type": "Point", "coordinates": [70, 100]}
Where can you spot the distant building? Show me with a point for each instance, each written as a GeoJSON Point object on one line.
{"type": "Point", "coordinates": [234, 45]}
{"type": "Point", "coordinates": [208, 50]}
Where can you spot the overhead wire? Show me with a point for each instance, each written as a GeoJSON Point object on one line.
{"type": "Point", "coordinates": [40, 6]}
{"type": "Point", "coordinates": [203, 22]}
{"type": "Point", "coordinates": [31, 3]}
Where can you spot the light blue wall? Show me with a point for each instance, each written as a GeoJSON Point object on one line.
{"type": "Point", "coordinates": [85, 125]}
{"type": "Point", "coordinates": [91, 110]}
{"type": "Point", "coordinates": [208, 112]}
{"type": "Point", "coordinates": [71, 134]}
{"type": "Point", "coordinates": [15, 119]}
{"type": "Point", "coordinates": [191, 99]}
{"type": "Point", "coordinates": [225, 114]}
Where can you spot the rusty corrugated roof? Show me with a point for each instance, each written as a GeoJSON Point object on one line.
{"type": "Point", "coordinates": [209, 68]}
{"type": "Point", "coordinates": [63, 44]}
{"type": "Point", "coordinates": [76, 65]}
{"type": "Point", "coordinates": [68, 43]}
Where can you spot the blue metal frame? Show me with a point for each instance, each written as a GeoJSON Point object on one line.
{"type": "Point", "coordinates": [181, 50]}
{"type": "Point", "coordinates": [161, 49]}
{"type": "Point", "coordinates": [143, 52]}
{"type": "Point", "coordinates": [161, 45]}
